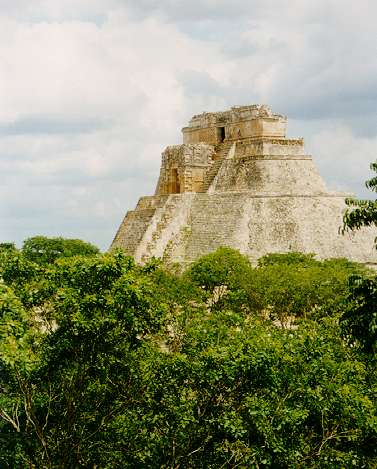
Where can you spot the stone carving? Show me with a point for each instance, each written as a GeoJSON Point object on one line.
{"type": "Point", "coordinates": [238, 181]}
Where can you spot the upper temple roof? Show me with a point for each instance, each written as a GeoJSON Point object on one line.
{"type": "Point", "coordinates": [233, 115]}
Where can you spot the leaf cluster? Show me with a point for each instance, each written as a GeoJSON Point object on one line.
{"type": "Point", "coordinates": [362, 212]}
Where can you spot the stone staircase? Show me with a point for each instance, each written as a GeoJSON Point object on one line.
{"type": "Point", "coordinates": [132, 230]}
{"type": "Point", "coordinates": [165, 219]}
{"type": "Point", "coordinates": [222, 151]}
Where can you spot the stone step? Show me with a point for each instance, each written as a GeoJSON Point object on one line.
{"type": "Point", "coordinates": [134, 227]}
{"type": "Point", "coordinates": [222, 151]}
{"type": "Point", "coordinates": [161, 225]}
{"type": "Point", "coordinates": [210, 176]}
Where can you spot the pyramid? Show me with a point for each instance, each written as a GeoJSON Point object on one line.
{"type": "Point", "coordinates": [237, 181]}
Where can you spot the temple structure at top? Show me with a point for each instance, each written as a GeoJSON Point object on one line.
{"type": "Point", "coordinates": [238, 181]}
{"type": "Point", "coordinates": [213, 136]}
{"type": "Point", "coordinates": [239, 122]}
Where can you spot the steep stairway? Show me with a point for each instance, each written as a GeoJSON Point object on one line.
{"type": "Point", "coordinates": [166, 227]}
{"type": "Point", "coordinates": [166, 215]}
{"type": "Point", "coordinates": [222, 152]}
{"type": "Point", "coordinates": [132, 230]}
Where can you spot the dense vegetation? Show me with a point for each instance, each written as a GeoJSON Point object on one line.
{"type": "Point", "coordinates": [106, 364]}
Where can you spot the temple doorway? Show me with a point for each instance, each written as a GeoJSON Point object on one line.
{"type": "Point", "coordinates": [175, 185]}
{"type": "Point", "coordinates": [220, 134]}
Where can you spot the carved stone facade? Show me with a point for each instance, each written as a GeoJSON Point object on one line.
{"type": "Point", "coordinates": [238, 181]}
{"type": "Point", "coordinates": [183, 168]}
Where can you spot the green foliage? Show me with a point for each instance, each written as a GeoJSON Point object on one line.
{"type": "Point", "coordinates": [101, 308]}
{"type": "Point", "coordinates": [14, 329]}
{"type": "Point", "coordinates": [363, 212]}
{"type": "Point", "coordinates": [7, 247]}
{"type": "Point", "coordinates": [359, 320]}
{"type": "Point", "coordinates": [15, 268]}
{"type": "Point", "coordinates": [262, 397]}
{"type": "Point", "coordinates": [107, 364]}
{"type": "Point", "coordinates": [283, 285]}
{"type": "Point", "coordinates": [45, 250]}
{"type": "Point", "coordinates": [304, 287]}
{"type": "Point", "coordinates": [223, 267]}
{"type": "Point", "coordinates": [219, 274]}
{"type": "Point", "coordinates": [296, 258]}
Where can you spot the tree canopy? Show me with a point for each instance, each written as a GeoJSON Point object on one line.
{"type": "Point", "coordinates": [104, 363]}
{"type": "Point", "coordinates": [44, 250]}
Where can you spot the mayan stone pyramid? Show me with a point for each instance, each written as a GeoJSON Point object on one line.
{"type": "Point", "coordinates": [237, 181]}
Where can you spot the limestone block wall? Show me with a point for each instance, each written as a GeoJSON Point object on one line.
{"type": "Point", "coordinates": [234, 114]}
{"type": "Point", "coordinates": [260, 127]}
{"type": "Point", "coordinates": [270, 147]}
{"type": "Point", "coordinates": [181, 228]}
{"type": "Point", "coordinates": [257, 225]}
{"type": "Point", "coordinates": [151, 202]}
{"type": "Point", "coordinates": [132, 229]}
{"type": "Point", "coordinates": [306, 224]}
{"type": "Point", "coordinates": [270, 175]}
{"type": "Point", "coordinates": [213, 223]}
{"type": "Point", "coordinates": [209, 135]}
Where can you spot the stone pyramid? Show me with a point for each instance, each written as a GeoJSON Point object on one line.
{"type": "Point", "coordinates": [237, 181]}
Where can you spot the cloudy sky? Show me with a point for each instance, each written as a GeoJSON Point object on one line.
{"type": "Point", "coordinates": [91, 91]}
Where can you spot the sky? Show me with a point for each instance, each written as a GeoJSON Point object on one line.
{"type": "Point", "coordinates": [92, 91]}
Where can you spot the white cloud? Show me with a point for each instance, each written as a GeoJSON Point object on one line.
{"type": "Point", "coordinates": [115, 75]}
{"type": "Point", "coordinates": [343, 157]}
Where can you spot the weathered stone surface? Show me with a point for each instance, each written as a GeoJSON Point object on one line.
{"type": "Point", "coordinates": [238, 122]}
{"type": "Point", "coordinates": [238, 182]}
{"type": "Point", "coordinates": [183, 168]}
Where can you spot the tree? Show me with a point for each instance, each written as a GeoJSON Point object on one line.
{"type": "Point", "coordinates": [45, 250]}
{"type": "Point", "coordinates": [297, 259]}
{"type": "Point", "coordinates": [363, 212]}
{"type": "Point", "coordinates": [7, 247]}
{"type": "Point", "coordinates": [222, 267]}
{"type": "Point", "coordinates": [359, 321]}
{"type": "Point", "coordinates": [219, 274]}
{"type": "Point", "coordinates": [15, 269]}
{"type": "Point", "coordinates": [61, 403]}
{"type": "Point", "coordinates": [294, 285]}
